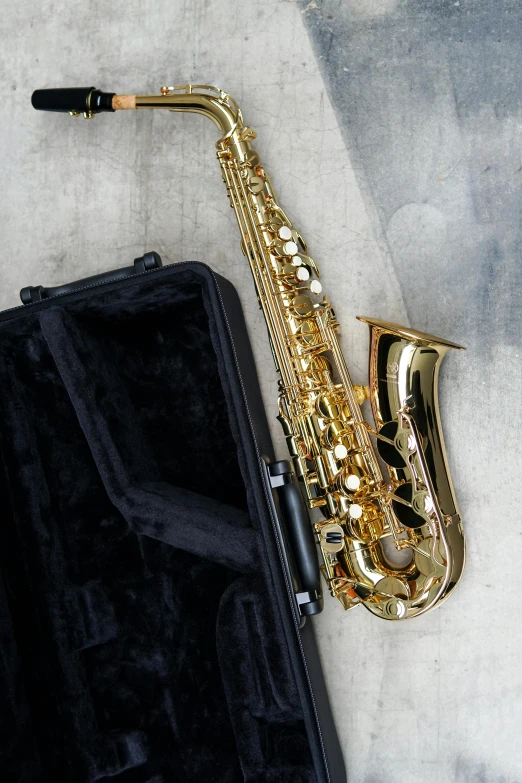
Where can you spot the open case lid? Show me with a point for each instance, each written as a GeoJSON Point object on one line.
{"type": "Point", "coordinates": [149, 625]}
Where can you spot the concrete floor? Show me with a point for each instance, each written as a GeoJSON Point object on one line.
{"type": "Point", "coordinates": [392, 134]}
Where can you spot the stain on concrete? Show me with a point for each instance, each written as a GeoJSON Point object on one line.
{"type": "Point", "coordinates": [428, 96]}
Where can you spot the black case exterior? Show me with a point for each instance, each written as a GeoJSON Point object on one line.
{"type": "Point", "coordinates": [302, 642]}
{"type": "Point", "coordinates": [236, 363]}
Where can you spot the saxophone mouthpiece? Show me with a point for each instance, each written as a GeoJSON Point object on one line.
{"type": "Point", "coordinates": [74, 100]}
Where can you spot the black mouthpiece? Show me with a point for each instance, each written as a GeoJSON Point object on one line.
{"type": "Point", "coordinates": [77, 100]}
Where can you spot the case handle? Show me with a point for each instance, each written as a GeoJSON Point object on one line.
{"type": "Point", "coordinates": [146, 262]}
{"type": "Point", "coordinates": [302, 561]}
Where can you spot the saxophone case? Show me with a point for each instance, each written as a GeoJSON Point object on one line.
{"type": "Point", "coordinates": [150, 630]}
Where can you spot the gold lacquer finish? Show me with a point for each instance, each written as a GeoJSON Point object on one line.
{"type": "Point", "coordinates": [319, 408]}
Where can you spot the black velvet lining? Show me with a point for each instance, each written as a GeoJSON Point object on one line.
{"type": "Point", "coordinates": [140, 640]}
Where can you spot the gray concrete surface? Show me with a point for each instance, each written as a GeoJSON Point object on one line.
{"type": "Point", "coordinates": [392, 132]}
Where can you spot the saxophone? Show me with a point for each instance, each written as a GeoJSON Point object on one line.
{"type": "Point", "coordinates": [336, 454]}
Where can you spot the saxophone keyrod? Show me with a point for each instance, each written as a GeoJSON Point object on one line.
{"type": "Point", "coordinates": [242, 217]}
{"type": "Point", "coordinates": [261, 254]}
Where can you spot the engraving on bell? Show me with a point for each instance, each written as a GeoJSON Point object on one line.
{"type": "Point", "coordinates": [405, 442]}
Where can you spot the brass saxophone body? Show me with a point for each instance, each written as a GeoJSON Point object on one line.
{"type": "Point", "coordinates": [331, 444]}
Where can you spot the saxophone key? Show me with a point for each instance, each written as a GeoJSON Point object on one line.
{"type": "Point", "coordinates": [330, 406]}
{"type": "Point", "coordinates": [351, 479]}
{"type": "Point", "coordinates": [336, 435]}
{"type": "Point", "coordinates": [289, 248]}
{"type": "Point", "coordinates": [319, 371]}
{"type": "Point", "coordinates": [308, 332]}
{"type": "Point", "coordinates": [285, 233]}
{"type": "Point", "coordinates": [331, 537]}
{"type": "Point", "coordinates": [290, 274]}
{"type": "Point", "coordinates": [251, 158]}
{"type": "Point", "coordinates": [302, 305]}
{"type": "Point", "coordinates": [312, 264]}
{"type": "Point", "coordinates": [355, 511]}
{"type": "Point", "coordinates": [301, 241]}
{"type": "Point", "coordinates": [256, 185]}
{"type": "Point", "coordinates": [352, 482]}
{"type": "Point", "coordinates": [340, 451]}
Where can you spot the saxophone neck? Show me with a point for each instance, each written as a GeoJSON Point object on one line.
{"type": "Point", "coordinates": [203, 99]}
{"type": "Point", "coordinates": [209, 101]}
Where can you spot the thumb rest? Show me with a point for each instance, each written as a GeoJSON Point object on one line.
{"type": "Point", "coordinates": [334, 450]}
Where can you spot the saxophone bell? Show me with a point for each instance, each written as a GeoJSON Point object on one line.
{"type": "Point", "coordinates": [404, 372]}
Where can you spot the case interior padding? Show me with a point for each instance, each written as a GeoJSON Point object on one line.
{"type": "Point", "coordinates": [142, 638]}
